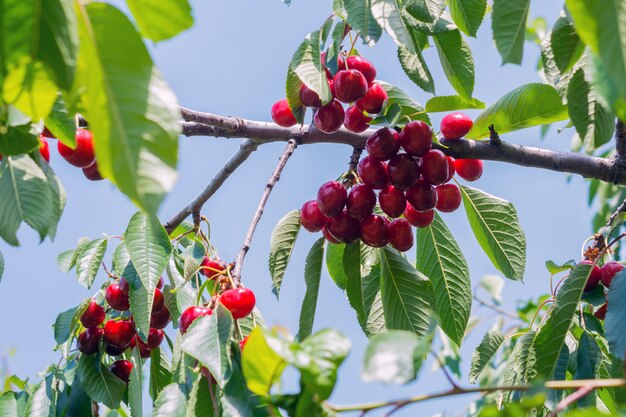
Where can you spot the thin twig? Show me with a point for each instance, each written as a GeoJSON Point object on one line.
{"type": "Point", "coordinates": [494, 138]}
{"type": "Point", "coordinates": [572, 398]}
{"type": "Point", "coordinates": [494, 307]}
{"type": "Point", "coordinates": [445, 372]}
{"type": "Point", "coordinates": [291, 146]}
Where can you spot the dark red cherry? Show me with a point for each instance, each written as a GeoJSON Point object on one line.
{"type": "Point", "coordinates": [46, 133]}
{"type": "Point", "coordinates": [311, 217]}
{"type": "Point", "coordinates": [331, 198]}
{"type": "Point", "coordinates": [113, 350]}
{"type": "Point", "coordinates": [383, 144]}
{"type": "Point", "coordinates": [448, 198]}
{"type": "Point", "coordinates": [83, 155]}
{"type": "Point", "coordinates": [329, 118]}
{"type": "Point", "coordinates": [422, 196]}
{"type": "Point", "coordinates": [609, 270]}
{"type": "Point", "coordinates": [373, 172]}
{"type": "Point", "coordinates": [361, 201]}
{"type": "Point", "coordinates": [328, 236]}
{"type": "Point", "coordinates": [363, 65]}
{"type": "Point", "coordinates": [160, 318]}
{"type": "Point", "coordinates": [594, 277]}
{"type": "Point", "coordinates": [309, 97]}
{"type": "Point", "coordinates": [155, 337]}
{"type": "Point", "coordinates": [455, 126]}
{"type": "Point", "coordinates": [355, 121]}
{"type": "Point", "coordinates": [392, 201]}
{"type": "Point", "coordinates": [93, 315]}
{"type": "Point", "coordinates": [451, 168]}
{"type": "Point", "coordinates": [160, 283]}
{"type": "Point", "coordinates": [239, 301]}
{"type": "Point", "coordinates": [119, 333]}
{"type": "Point", "coordinates": [282, 115]}
{"type": "Point", "coordinates": [416, 138]}
{"type": "Point", "coordinates": [159, 300]}
{"type": "Point", "coordinates": [434, 167]}
{"type": "Point", "coordinates": [374, 99]}
{"type": "Point", "coordinates": [344, 228]}
{"type": "Point", "coordinates": [44, 148]}
{"type": "Point", "coordinates": [91, 172]}
{"type": "Point", "coordinates": [89, 339]}
{"type": "Point", "coordinates": [144, 350]}
{"type": "Point", "coordinates": [190, 314]}
{"type": "Point", "coordinates": [400, 235]}
{"type": "Point", "coordinates": [418, 218]}
{"type": "Point", "coordinates": [374, 230]}
{"type": "Point", "coordinates": [600, 313]}
{"type": "Point", "coordinates": [116, 295]}
{"type": "Point", "coordinates": [350, 85]}
{"type": "Point", "coordinates": [403, 171]}
{"type": "Point", "coordinates": [212, 268]}
{"type": "Point", "coordinates": [469, 169]}
{"type": "Point", "coordinates": [122, 369]}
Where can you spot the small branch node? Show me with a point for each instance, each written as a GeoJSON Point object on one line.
{"type": "Point", "coordinates": [620, 139]}
{"type": "Point", "coordinates": [494, 138]}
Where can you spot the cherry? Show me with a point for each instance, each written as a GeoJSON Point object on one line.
{"type": "Point", "coordinates": [239, 301]}
{"type": "Point", "coordinates": [600, 313]}
{"type": "Point", "coordinates": [83, 155]}
{"type": "Point", "coordinates": [116, 295]}
{"type": "Point", "coordinates": [422, 196]}
{"type": "Point", "coordinates": [212, 268]}
{"type": "Point", "coordinates": [328, 236]}
{"type": "Point", "coordinates": [160, 318]}
{"type": "Point", "coordinates": [341, 63]}
{"type": "Point", "coordinates": [416, 138]}
{"type": "Point", "coordinates": [355, 121]}
{"type": "Point", "coordinates": [448, 198]}
{"type": "Point", "coordinates": [44, 148]}
{"type": "Point", "coordinates": [373, 172]}
{"type": "Point", "coordinates": [122, 369]}
{"type": "Point", "coordinates": [403, 171]}
{"type": "Point", "coordinates": [46, 133]}
{"type": "Point", "coordinates": [383, 144]}
{"type": "Point", "coordinates": [344, 228]}
{"type": "Point", "coordinates": [159, 300]}
{"type": "Point", "coordinates": [309, 97]}
{"type": "Point", "coordinates": [594, 277]}
{"type": "Point", "coordinates": [469, 169]}
{"type": "Point", "coordinates": [89, 339]}
{"type": "Point", "coordinates": [119, 333]}
{"type": "Point", "coordinates": [329, 118]}
{"type": "Point", "coordinates": [282, 114]}
{"type": "Point", "coordinates": [455, 126]}
{"type": "Point", "coordinates": [311, 217]}
{"type": "Point", "coordinates": [392, 201]}
{"type": "Point", "coordinates": [91, 172]}
{"type": "Point", "coordinates": [155, 337]}
{"type": "Point", "coordinates": [93, 315]}
{"type": "Point", "coordinates": [160, 283]}
{"type": "Point", "coordinates": [609, 270]}
{"type": "Point", "coordinates": [374, 99]}
{"type": "Point", "coordinates": [190, 314]}
{"type": "Point", "coordinates": [331, 198]}
{"type": "Point", "coordinates": [350, 85]}
{"type": "Point", "coordinates": [451, 168]}
{"type": "Point", "coordinates": [112, 350]}
{"type": "Point", "coordinates": [434, 167]}
{"type": "Point", "coordinates": [243, 342]}
{"type": "Point", "coordinates": [418, 218]}
{"type": "Point", "coordinates": [362, 65]}
{"type": "Point", "coordinates": [374, 230]}
{"type": "Point", "coordinates": [144, 350]}
{"type": "Point", "coordinates": [361, 201]}
{"type": "Point", "coordinates": [400, 235]}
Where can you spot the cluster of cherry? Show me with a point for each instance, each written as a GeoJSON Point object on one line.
{"type": "Point", "coordinates": [411, 184]}
{"type": "Point", "coordinates": [601, 276]}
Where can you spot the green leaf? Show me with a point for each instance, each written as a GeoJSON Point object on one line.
{"type": "Point", "coordinates": [493, 284]}
{"type": "Point", "coordinates": [566, 44]}
{"type": "Point", "coordinates": [343, 263]}
{"type": "Point", "coordinates": [526, 106]}
{"type": "Point", "coordinates": [415, 68]}
{"type": "Point", "coordinates": [161, 20]}
{"type": "Point", "coordinates": [42, 401]}
{"type": "Point", "coordinates": [307, 65]}
{"type": "Point", "coordinates": [281, 245]}
{"type": "Point", "coordinates": [468, 14]}
{"type": "Point", "coordinates": [407, 295]}
{"type": "Point", "coordinates": [483, 354]}
{"type": "Point", "coordinates": [262, 365]}
{"type": "Point", "coordinates": [359, 17]}
{"type": "Point", "coordinates": [67, 260]}
{"type": "Point", "coordinates": [200, 402]}
{"type": "Point", "coordinates": [135, 385]}
{"type": "Point", "coordinates": [373, 312]}
{"type": "Point", "coordinates": [410, 107]}
{"type": "Point", "coordinates": [394, 357]}
{"type": "Point", "coordinates": [1, 265]}
{"type": "Point", "coordinates": [425, 10]}
{"type": "Point", "coordinates": [508, 22]}
{"type": "Point", "coordinates": [387, 14]}
{"type": "Point", "coordinates": [614, 323]}
{"type": "Point", "coordinates": [25, 197]}
{"type": "Point", "coordinates": [61, 123]}
{"type": "Point", "coordinates": [8, 405]}
{"type": "Point", "coordinates": [171, 402]}
{"type": "Point", "coordinates": [520, 367]}
{"type": "Point", "coordinates": [292, 93]}
{"type": "Point", "coordinates": [457, 61]}
{"type": "Point", "coordinates": [551, 336]}
{"type": "Point", "coordinates": [237, 401]}
{"type": "Point", "coordinates": [450, 103]}
{"type": "Point", "coordinates": [160, 374]}
{"type": "Point", "coordinates": [554, 269]}
{"type": "Point", "coordinates": [58, 199]}
{"type": "Point", "coordinates": [132, 112]}
{"type": "Point", "coordinates": [312, 275]}
{"type": "Point", "coordinates": [441, 260]}
{"type": "Point", "coordinates": [185, 295]}
{"type": "Point", "coordinates": [16, 140]}
{"type": "Point", "coordinates": [66, 321]}
{"type": "Point", "coordinates": [588, 357]}
{"type": "Point", "coordinates": [496, 226]}
{"type": "Point", "coordinates": [99, 382]}
{"type": "Point", "coordinates": [89, 261]}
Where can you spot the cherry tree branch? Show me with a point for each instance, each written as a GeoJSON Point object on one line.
{"type": "Point", "coordinates": [572, 398]}
{"type": "Point", "coordinates": [620, 139]}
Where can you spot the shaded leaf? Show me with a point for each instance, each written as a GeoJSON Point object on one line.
{"type": "Point", "coordinates": [457, 61]}
{"type": "Point", "coordinates": [99, 382]}
{"type": "Point", "coordinates": [312, 274]}
{"type": "Point", "coordinates": [614, 324]}
{"type": "Point", "coordinates": [160, 374]}
{"type": "Point", "coordinates": [89, 261]}
{"type": "Point", "coordinates": [387, 14]}
{"type": "Point", "coordinates": [61, 123]}
{"type": "Point", "coordinates": [415, 68]}
{"type": "Point", "coordinates": [484, 353]}
{"type": "Point", "coordinates": [566, 44]}
{"type": "Point", "coordinates": [508, 23]}
{"type": "Point", "coordinates": [171, 402]}
{"type": "Point", "coordinates": [281, 245]}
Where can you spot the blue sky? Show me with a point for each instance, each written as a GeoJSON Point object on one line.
{"type": "Point", "coordinates": [233, 62]}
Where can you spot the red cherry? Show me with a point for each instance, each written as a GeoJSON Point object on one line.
{"type": "Point", "coordinates": [355, 121]}
{"type": "Point", "coordinates": [89, 339]}
{"type": "Point", "coordinates": [416, 138]}
{"type": "Point", "coordinates": [113, 350]}
{"type": "Point", "coordinates": [418, 218]}
{"type": "Point", "coordinates": [83, 155]}
{"type": "Point", "coordinates": [122, 369]}
{"type": "Point", "coordinates": [160, 318]}
{"type": "Point", "coordinates": [434, 167]}
{"type": "Point", "coordinates": [594, 277]}
{"type": "Point", "coordinates": [403, 171]}
{"type": "Point", "coordinates": [328, 236]}
{"type": "Point", "coordinates": [400, 235]}
{"type": "Point", "coordinates": [212, 268]}
{"type": "Point", "coordinates": [374, 99]}
{"type": "Point", "coordinates": [155, 337]}
{"type": "Point", "coordinates": [116, 295]}
{"type": "Point", "coordinates": [422, 196]}
{"type": "Point", "coordinates": [239, 301]}
{"type": "Point", "coordinates": [160, 283]}
{"type": "Point", "coordinates": [243, 342]}
{"type": "Point", "coordinates": [119, 333]}
{"type": "Point", "coordinates": [350, 85]}
{"type": "Point", "coordinates": [344, 228]}
{"type": "Point", "coordinates": [44, 148]}
{"type": "Point", "coordinates": [282, 115]}
{"type": "Point", "coordinates": [383, 144]}
{"type": "Point", "coordinates": [329, 118]}
{"type": "Point", "coordinates": [93, 315]}
{"type": "Point", "coordinates": [374, 230]}
{"type": "Point", "coordinates": [392, 201]}
{"type": "Point", "coordinates": [309, 97]}
{"type": "Point", "coordinates": [190, 314]}
{"type": "Point", "coordinates": [311, 218]}
{"type": "Point", "coordinates": [158, 301]}
{"type": "Point", "coordinates": [469, 169]}
{"type": "Point", "coordinates": [451, 168]}
{"type": "Point", "coordinates": [331, 198]}
{"type": "Point", "coordinates": [455, 126]}
{"type": "Point", "coordinates": [362, 65]}
{"type": "Point", "coordinates": [144, 350]}
{"type": "Point", "coordinates": [609, 270]}
{"type": "Point", "coordinates": [600, 313]}
{"type": "Point", "coordinates": [91, 172]}
{"type": "Point", "coordinates": [373, 172]}
{"type": "Point", "coordinates": [361, 201]}
{"type": "Point", "coordinates": [46, 133]}
{"type": "Point", "coordinates": [448, 198]}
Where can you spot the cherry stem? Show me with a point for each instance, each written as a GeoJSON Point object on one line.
{"type": "Point", "coordinates": [542, 305]}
